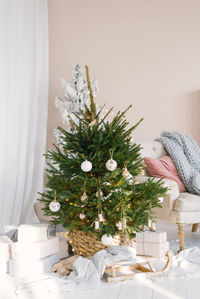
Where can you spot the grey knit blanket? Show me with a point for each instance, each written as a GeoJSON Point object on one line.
{"type": "Point", "coordinates": [186, 156]}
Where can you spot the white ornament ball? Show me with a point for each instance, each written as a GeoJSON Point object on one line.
{"type": "Point", "coordinates": [101, 219]}
{"type": "Point", "coordinates": [86, 166]}
{"type": "Point", "coordinates": [96, 225]}
{"type": "Point", "coordinates": [54, 206]}
{"type": "Point", "coordinates": [84, 197]}
{"type": "Point", "coordinates": [99, 193]}
{"type": "Point", "coordinates": [81, 216]}
{"type": "Point", "coordinates": [111, 165]}
{"type": "Point", "coordinates": [106, 240]}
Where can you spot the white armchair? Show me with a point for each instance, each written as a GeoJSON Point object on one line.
{"type": "Point", "coordinates": [178, 208]}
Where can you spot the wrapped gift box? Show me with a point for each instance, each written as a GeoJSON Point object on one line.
{"type": "Point", "coordinates": [21, 268]}
{"type": "Point", "coordinates": [34, 250]}
{"type": "Point", "coordinates": [33, 232]}
{"type": "Point", "coordinates": [151, 237]}
{"type": "Point", "coordinates": [4, 266]}
{"type": "Point", "coordinates": [5, 247]}
{"type": "Point", "coordinates": [152, 249]}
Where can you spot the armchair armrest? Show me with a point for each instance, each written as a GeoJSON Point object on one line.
{"type": "Point", "coordinates": [172, 194]}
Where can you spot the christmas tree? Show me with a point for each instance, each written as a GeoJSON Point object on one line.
{"type": "Point", "coordinates": [92, 171]}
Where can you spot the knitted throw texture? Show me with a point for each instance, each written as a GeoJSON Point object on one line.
{"type": "Point", "coordinates": [186, 156]}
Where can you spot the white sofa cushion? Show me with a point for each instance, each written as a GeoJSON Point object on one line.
{"type": "Point", "coordinates": [187, 202]}
{"type": "Point", "coordinates": [153, 149]}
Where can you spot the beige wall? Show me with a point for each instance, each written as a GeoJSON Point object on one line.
{"type": "Point", "coordinates": [142, 52]}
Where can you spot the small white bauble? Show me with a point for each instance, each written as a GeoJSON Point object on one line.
{"type": "Point", "coordinates": [111, 165]}
{"type": "Point", "coordinates": [81, 216]}
{"type": "Point", "coordinates": [96, 225]}
{"type": "Point", "coordinates": [54, 206]}
{"type": "Point", "coordinates": [160, 199]}
{"type": "Point", "coordinates": [86, 166]}
{"type": "Point", "coordinates": [125, 173]}
{"type": "Point", "coordinates": [99, 193]}
{"type": "Point", "coordinates": [84, 196]}
{"type": "Point", "coordinates": [100, 217]}
{"type": "Point", "coordinates": [106, 240]}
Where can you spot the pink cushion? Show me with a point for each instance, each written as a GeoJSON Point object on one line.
{"type": "Point", "coordinates": [164, 168]}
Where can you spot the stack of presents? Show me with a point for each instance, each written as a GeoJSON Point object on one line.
{"type": "Point", "coordinates": [33, 250]}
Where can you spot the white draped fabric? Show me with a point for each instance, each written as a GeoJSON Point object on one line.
{"type": "Point", "coordinates": [23, 106]}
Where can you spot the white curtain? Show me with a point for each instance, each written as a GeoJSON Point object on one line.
{"type": "Point", "coordinates": [23, 106]}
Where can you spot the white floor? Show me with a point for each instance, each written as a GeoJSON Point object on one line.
{"type": "Point", "coordinates": [161, 288]}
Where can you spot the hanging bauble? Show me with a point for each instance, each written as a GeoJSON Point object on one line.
{"type": "Point", "coordinates": [81, 216]}
{"type": "Point", "coordinates": [84, 196]}
{"type": "Point", "coordinates": [131, 141]}
{"type": "Point", "coordinates": [99, 193]}
{"type": "Point", "coordinates": [111, 165]}
{"type": "Point", "coordinates": [153, 226]}
{"type": "Point", "coordinates": [86, 166]}
{"type": "Point", "coordinates": [96, 225]}
{"type": "Point", "coordinates": [100, 216]}
{"type": "Point", "coordinates": [149, 223]}
{"type": "Point", "coordinates": [106, 239]}
{"type": "Point", "coordinates": [160, 199]}
{"type": "Point", "coordinates": [119, 225]}
{"type": "Point", "coordinates": [126, 174]}
{"type": "Point", "coordinates": [54, 206]}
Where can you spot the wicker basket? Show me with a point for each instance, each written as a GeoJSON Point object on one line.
{"type": "Point", "coordinates": [87, 244]}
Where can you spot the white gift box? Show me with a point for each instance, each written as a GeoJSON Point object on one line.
{"type": "Point", "coordinates": [4, 266]}
{"type": "Point", "coordinates": [151, 237]}
{"type": "Point", "coordinates": [21, 268]}
{"type": "Point", "coordinates": [5, 250]}
{"type": "Point", "coordinates": [34, 250]}
{"type": "Point", "coordinates": [33, 232]}
{"type": "Point", "coordinates": [152, 249]}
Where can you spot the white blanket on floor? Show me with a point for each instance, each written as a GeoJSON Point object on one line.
{"type": "Point", "coordinates": [85, 276]}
